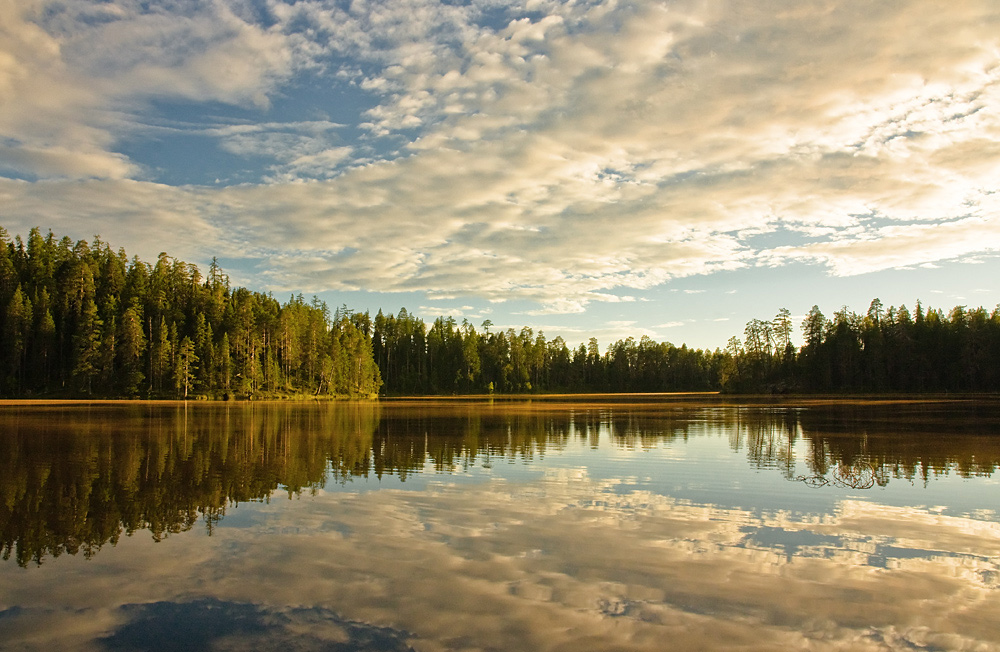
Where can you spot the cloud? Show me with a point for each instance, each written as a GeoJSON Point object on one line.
{"type": "Point", "coordinates": [76, 76]}
{"type": "Point", "coordinates": [897, 246]}
{"type": "Point", "coordinates": [145, 218]}
{"type": "Point", "coordinates": [63, 161]}
{"type": "Point", "coordinates": [558, 561]}
{"type": "Point", "coordinates": [562, 157]}
{"type": "Point", "coordinates": [459, 313]}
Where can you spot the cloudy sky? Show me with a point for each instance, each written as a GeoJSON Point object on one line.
{"type": "Point", "coordinates": [670, 169]}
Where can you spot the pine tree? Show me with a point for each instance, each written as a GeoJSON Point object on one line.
{"type": "Point", "coordinates": [87, 347]}
{"type": "Point", "coordinates": [186, 367]}
{"type": "Point", "coordinates": [16, 330]}
{"type": "Point", "coordinates": [131, 349]}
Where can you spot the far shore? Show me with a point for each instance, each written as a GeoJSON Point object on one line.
{"type": "Point", "coordinates": [634, 397]}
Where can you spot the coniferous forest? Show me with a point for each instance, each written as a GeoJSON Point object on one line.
{"type": "Point", "coordinates": [80, 319]}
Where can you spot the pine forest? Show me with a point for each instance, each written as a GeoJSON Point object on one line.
{"type": "Point", "coordinates": [80, 319]}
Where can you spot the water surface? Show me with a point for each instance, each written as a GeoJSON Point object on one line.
{"type": "Point", "coordinates": [636, 523]}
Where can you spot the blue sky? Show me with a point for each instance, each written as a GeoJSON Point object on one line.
{"type": "Point", "coordinates": [670, 169]}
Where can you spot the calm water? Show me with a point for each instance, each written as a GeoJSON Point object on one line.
{"type": "Point", "coordinates": [674, 523]}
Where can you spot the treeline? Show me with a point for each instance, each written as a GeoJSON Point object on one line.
{"type": "Point", "coordinates": [883, 350]}
{"type": "Point", "coordinates": [452, 358]}
{"type": "Point", "coordinates": [79, 319]}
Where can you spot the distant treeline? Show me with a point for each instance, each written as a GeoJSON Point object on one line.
{"type": "Point", "coordinates": [455, 358]}
{"type": "Point", "coordinates": [79, 319]}
{"type": "Point", "coordinates": [884, 350]}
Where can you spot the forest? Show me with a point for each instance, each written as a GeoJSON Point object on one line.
{"type": "Point", "coordinates": [80, 319]}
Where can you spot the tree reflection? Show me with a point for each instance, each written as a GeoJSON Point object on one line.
{"type": "Point", "coordinates": [456, 439]}
{"type": "Point", "coordinates": [860, 475]}
{"type": "Point", "coordinates": [858, 445]}
{"type": "Point", "coordinates": [72, 480]}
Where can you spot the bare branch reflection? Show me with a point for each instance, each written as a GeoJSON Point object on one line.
{"type": "Point", "coordinates": [859, 475]}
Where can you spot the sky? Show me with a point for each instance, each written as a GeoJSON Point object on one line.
{"type": "Point", "coordinates": [584, 168]}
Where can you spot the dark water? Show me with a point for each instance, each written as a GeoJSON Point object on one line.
{"type": "Point", "coordinates": [629, 524]}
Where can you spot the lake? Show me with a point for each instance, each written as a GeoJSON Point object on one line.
{"type": "Point", "coordinates": [594, 523]}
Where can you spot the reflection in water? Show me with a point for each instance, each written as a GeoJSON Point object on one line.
{"type": "Point", "coordinates": [74, 480]}
{"type": "Point", "coordinates": [204, 624]}
{"type": "Point", "coordinates": [540, 525]}
{"type": "Point", "coordinates": [859, 475]}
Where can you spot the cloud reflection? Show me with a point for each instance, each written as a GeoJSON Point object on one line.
{"type": "Point", "coordinates": [564, 558]}
{"type": "Point", "coordinates": [568, 561]}
{"type": "Point", "coordinates": [212, 624]}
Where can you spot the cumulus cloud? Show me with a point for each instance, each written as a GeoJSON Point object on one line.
{"type": "Point", "coordinates": [565, 154]}
{"type": "Point", "coordinates": [144, 218]}
{"type": "Point", "coordinates": [75, 76]}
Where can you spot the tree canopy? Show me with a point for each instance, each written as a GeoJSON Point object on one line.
{"type": "Point", "coordinates": [883, 350]}
{"type": "Point", "coordinates": [79, 319]}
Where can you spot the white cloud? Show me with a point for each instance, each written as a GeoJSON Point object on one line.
{"type": "Point", "coordinates": [75, 75]}
{"type": "Point", "coordinates": [145, 218]}
{"type": "Point", "coordinates": [563, 160]}
{"type": "Point", "coordinates": [897, 246]}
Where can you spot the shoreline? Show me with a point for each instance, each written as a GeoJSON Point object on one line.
{"type": "Point", "coordinates": [610, 398]}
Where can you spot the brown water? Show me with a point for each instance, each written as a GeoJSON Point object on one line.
{"type": "Point", "coordinates": [635, 523]}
